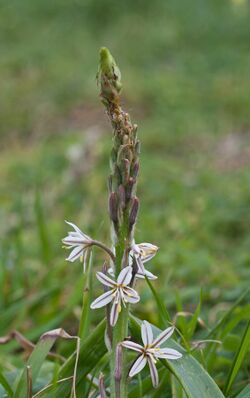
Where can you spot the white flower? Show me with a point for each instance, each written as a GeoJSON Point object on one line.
{"type": "Point", "coordinates": [120, 293]}
{"type": "Point", "coordinates": [142, 253]}
{"type": "Point", "coordinates": [79, 242]}
{"type": "Point", "coordinates": [151, 351]}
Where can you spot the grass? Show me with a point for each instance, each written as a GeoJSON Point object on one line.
{"type": "Point", "coordinates": [186, 79]}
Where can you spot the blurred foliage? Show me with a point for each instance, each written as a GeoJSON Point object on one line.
{"type": "Point", "coordinates": [185, 69]}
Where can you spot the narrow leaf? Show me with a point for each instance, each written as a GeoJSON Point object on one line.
{"type": "Point", "coordinates": [238, 359]}
{"type": "Point", "coordinates": [163, 312]}
{"type": "Point", "coordinates": [4, 382]}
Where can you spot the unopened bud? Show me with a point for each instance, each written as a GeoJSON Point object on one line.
{"type": "Point", "coordinates": [124, 153]}
{"type": "Point", "coordinates": [135, 170]}
{"type": "Point", "coordinates": [118, 176]}
{"type": "Point", "coordinates": [110, 184]}
{"type": "Point", "coordinates": [138, 148]}
{"type": "Point", "coordinates": [133, 211]}
{"type": "Point", "coordinates": [118, 363]}
{"type": "Point", "coordinates": [113, 159]}
{"type": "Point", "coordinates": [102, 386]}
{"type": "Point", "coordinates": [113, 207]}
{"type": "Point", "coordinates": [125, 169]}
{"type": "Point", "coordinates": [121, 195]}
{"type": "Point", "coordinates": [129, 188]}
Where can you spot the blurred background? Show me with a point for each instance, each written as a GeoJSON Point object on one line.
{"type": "Point", "coordinates": [185, 68]}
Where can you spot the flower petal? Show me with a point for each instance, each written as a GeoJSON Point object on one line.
{"type": "Point", "coordinates": [103, 300]}
{"type": "Point", "coordinates": [146, 250]}
{"type": "Point", "coordinates": [153, 371]}
{"type": "Point", "coordinates": [138, 365]}
{"type": "Point", "coordinates": [167, 353]}
{"type": "Point", "coordinates": [105, 280]}
{"type": "Point", "coordinates": [132, 346]}
{"type": "Point", "coordinates": [74, 241]}
{"type": "Point", "coordinates": [75, 254]}
{"type": "Point", "coordinates": [74, 227]}
{"type": "Point", "coordinates": [148, 274]}
{"type": "Point", "coordinates": [163, 336]}
{"type": "Point", "coordinates": [146, 333]}
{"type": "Point", "coordinates": [125, 276]}
{"type": "Point", "coordinates": [131, 295]}
{"type": "Point", "coordinates": [139, 263]}
{"type": "Point", "coordinates": [77, 231]}
{"type": "Point", "coordinates": [114, 313]}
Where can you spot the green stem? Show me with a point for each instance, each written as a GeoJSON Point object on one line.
{"type": "Point", "coordinates": [118, 385]}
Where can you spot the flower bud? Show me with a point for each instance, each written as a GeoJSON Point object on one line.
{"type": "Point", "coordinates": [135, 170]}
{"type": "Point", "coordinates": [133, 211]}
{"type": "Point", "coordinates": [125, 169]}
{"type": "Point", "coordinates": [113, 207]}
{"type": "Point", "coordinates": [129, 188]}
{"type": "Point", "coordinates": [121, 196]}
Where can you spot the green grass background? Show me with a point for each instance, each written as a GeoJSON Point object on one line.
{"type": "Point", "coordinates": [185, 68]}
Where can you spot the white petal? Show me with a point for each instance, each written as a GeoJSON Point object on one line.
{"type": "Point", "coordinates": [114, 313]}
{"type": "Point", "coordinates": [74, 226]}
{"type": "Point", "coordinates": [74, 241]}
{"type": "Point", "coordinates": [111, 272]}
{"type": "Point", "coordinates": [146, 333]}
{"type": "Point", "coordinates": [148, 274]}
{"type": "Point", "coordinates": [167, 353]}
{"type": "Point", "coordinates": [147, 251]}
{"type": "Point", "coordinates": [105, 280]}
{"type": "Point", "coordinates": [75, 254]}
{"type": "Point", "coordinates": [163, 336]}
{"type": "Point", "coordinates": [125, 276]}
{"type": "Point", "coordinates": [103, 300]}
{"type": "Point", "coordinates": [138, 365]}
{"type": "Point", "coordinates": [141, 268]}
{"type": "Point", "coordinates": [131, 295]}
{"type": "Point", "coordinates": [153, 371]}
{"type": "Point", "coordinates": [78, 231]}
{"type": "Point", "coordinates": [132, 346]}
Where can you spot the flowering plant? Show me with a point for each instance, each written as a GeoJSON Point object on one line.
{"type": "Point", "coordinates": [127, 258]}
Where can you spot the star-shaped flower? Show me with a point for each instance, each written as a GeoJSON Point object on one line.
{"type": "Point", "coordinates": [120, 293]}
{"type": "Point", "coordinates": [142, 253]}
{"type": "Point", "coordinates": [79, 242]}
{"type": "Point", "coordinates": [151, 351]}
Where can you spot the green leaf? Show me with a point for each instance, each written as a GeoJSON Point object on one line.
{"type": "Point", "coordinates": [87, 294]}
{"type": "Point", "coordinates": [163, 312]}
{"type": "Point", "coordinates": [92, 350]}
{"type": "Point", "coordinates": [245, 393]}
{"type": "Point", "coordinates": [37, 358]}
{"type": "Point", "coordinates": [195, 381]}
{"type": "Point", "coordinates": [227, 315]}
{"type": "Point", "coordinates": [193, 323]}
{"type": "Point", "coordinates": [4, 382]}
{"type": "Point", "coordinates": [238, 359]}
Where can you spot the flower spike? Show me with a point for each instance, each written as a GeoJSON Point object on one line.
{"type": "Point", "coordinates": [120, 293]}
{"type": "Point", "coordinates": [150, 351]}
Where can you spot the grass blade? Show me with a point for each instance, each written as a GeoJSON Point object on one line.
{"type": "Point", "coordinates": [239, 357]}
{"type": "Point", "coordinates": [163, 312]}
{"type": "Point", "coordinates": [245, 393]}
{"type": "Point", "coordinates": [4, 382]}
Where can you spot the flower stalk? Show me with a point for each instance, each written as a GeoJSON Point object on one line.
{"type": "Point", "coordinates": [123, 203]}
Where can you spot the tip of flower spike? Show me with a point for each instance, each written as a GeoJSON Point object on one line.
{"type": "Point", "coordinates": [108, 69]}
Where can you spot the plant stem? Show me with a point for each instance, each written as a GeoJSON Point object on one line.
{"type": "Point", "coordinates": [123, 204]}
